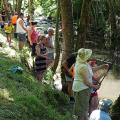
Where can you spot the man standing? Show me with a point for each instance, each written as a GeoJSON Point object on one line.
{"type": "Point", "coordinates": [21, 31]}
{"type": "Point", "coordinates": [50, 43]}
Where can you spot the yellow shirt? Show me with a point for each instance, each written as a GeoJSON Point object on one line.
{"type": "Point", "coordinates": [9, 29]}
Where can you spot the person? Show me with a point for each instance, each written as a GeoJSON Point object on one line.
{"type": "Point", "coordinates": [66, 65]}
{"type": "Point", "coordinates": [21, 31]}
{"type": "Point", "coordinates": [33, 36]}
{"type": "Point", "coordinates": [27, 20]}
{"type": "Point", "coordinates": [41, 57]}
{"type": "Point", "coordinates": [50, 43]}
{"type": "Point", "coordinates": [103, 112]}
{"type": "Point", "coordinates": [14, 20]}
{"type": "Point", "coordinates": [93, 102]}
{"type": "Point", "coordinates": [1, 21]}
{"type": "Point", "coordinates": [82, 83]}
{"type": "Point", "coordinates": [9, 30]}
{"type": "Point", "coordinates": [3, 15]}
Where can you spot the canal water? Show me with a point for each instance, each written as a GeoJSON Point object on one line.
{"type": "Point", "coordinates": [110, 87]}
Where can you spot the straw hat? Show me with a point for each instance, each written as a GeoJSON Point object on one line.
{"type": "Point", "coordinates": [83, 55]}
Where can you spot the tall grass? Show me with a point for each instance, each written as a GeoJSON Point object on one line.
{"type": "Point", "coordinates": [22, 97]}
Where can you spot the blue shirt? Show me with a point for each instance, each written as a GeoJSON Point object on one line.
{"type": "Point", "coordinates": [99, 115]}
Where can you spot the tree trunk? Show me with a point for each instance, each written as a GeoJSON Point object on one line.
{"type": "Point", "coordinates": [1, 4]}
{"type": "Point", "coordinates": [18, 6]}
{"type": "Point", "coordinates": [57, 43]}
{"type": "Point", "coordinates": [7, 9]}
{"type": "Point", "coordinates": [83, 23]}
{"type": "Point", "coordinates": [67, 26]}
{"type": "Point", "coordinates": [31, 8]}
{"type": "Point", "coordinates": [112, 21]}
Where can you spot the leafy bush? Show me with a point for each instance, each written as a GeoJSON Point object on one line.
{"type": "Point", "coordinates": [116, 110]}
{"type": "Point", "coordinates": [25, 98]}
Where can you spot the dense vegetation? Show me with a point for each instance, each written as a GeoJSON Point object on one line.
{"type": "Point", "coordinates": [23, 97]}
{"type": "Point", "coordinates": [97, 26]}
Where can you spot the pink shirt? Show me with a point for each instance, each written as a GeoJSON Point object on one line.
{"type": "Point", "coordinates": [34, 35]}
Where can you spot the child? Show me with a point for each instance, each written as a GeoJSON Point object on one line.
{"type": "Point", "coordinates": [8, 30]}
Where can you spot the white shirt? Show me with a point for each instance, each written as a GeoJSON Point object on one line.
{"type": "Point", "coordinates": [99, 115]}
{"type": "Point", "coordinates": [51, 43]}
{"type": "Point", "coordinates": [78, 84]}
{"type": "Point", "coordinates": [19, 28]}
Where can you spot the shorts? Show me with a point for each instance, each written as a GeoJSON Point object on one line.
{"type": "Point", "coordinates": [22, 37]}
{"type": "Point", "coordinates": [68, 79]}
{"type": "Point", "coordinates": [81, 105]}
{"type": "Point", "coordinates": [33, 49]}
{"type": "Point", "coordinates": [8, 33]}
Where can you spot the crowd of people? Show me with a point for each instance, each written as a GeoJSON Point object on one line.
{"type": "Point", "coordinates": [83, 76]}
{"type": "Point", "coordinates": [82, 80]}
{"type": "Point", "coordinates": [25, 30]}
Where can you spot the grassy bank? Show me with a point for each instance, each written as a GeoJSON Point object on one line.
{"type": "Point", "coordinates": [22, 97]}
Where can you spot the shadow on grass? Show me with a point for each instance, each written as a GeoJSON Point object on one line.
{"type": "Point", "coordinates": [26, 98]}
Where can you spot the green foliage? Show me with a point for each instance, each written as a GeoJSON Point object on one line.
{"type": "Point", "coordinates": [77, 4]}
{"type": "Point", "coordinates": [48, 75]}
{"type": "Point", "coordinates": [115, 112]}
{"type": "Point", "coordinates": [55, 98]}
{"type": "Point", "coordinates": [49, 6]}
{"type": "Point", "coordinates": [22, 97]}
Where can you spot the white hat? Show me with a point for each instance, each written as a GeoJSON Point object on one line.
{"type": "Point", "coordinates": [83, 55]}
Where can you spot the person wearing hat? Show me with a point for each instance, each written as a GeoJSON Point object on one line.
{"type": "Point", "coordinates": [103, 112]}
{"type": "Point", "coordinates": [94, 101]}
{"type": "Point", "coordinates": [82, 83]}
{"type": "Point", "coordinates": [33, 36]}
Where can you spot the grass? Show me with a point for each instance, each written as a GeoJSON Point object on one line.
{"type": "Point", "coordinates": [22, 97]}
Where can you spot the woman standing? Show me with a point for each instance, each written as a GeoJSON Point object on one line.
{"type": "Point", "coordinates": [33, 36]}
{"type": "Point", "coordinates": [40, 60]}
{"type": "Point", "coordinates": [83, 83]}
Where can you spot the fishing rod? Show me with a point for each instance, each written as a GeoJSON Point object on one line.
{"type": "Point", "coordinates": [99, 83]}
